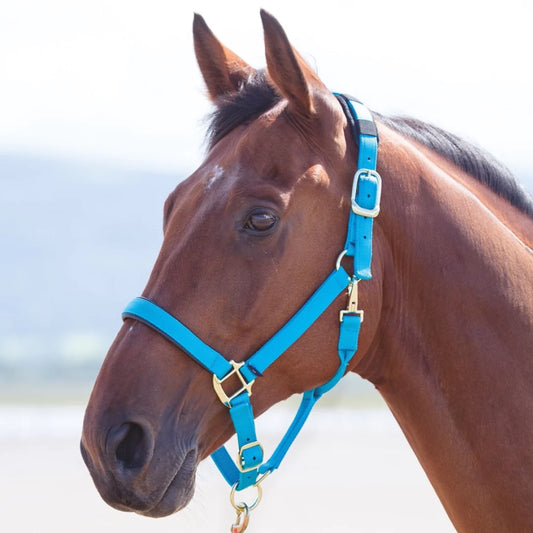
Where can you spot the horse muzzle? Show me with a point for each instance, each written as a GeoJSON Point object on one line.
{"type": "Point", "coordinates": [134, 471]}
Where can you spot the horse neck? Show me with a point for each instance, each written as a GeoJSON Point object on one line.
{"type": "Point", "coordinates": [452, 354]}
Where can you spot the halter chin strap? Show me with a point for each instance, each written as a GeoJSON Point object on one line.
{"type": "Point", "coordinates": [250, 468]}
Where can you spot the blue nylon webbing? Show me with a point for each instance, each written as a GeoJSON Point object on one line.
{"type": "Point", "coordinates": [321, 299]}
{"type": "Point", "coordinates": [359, 237]}
{"type": "Point", "coordinates": [349, 333]}
{"type": "Point", "coordinates": [157, 318]}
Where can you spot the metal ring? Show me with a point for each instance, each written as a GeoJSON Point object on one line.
{"type": "Point", "coordinates": [239, 507]}
{"type": "Point", "coordinates": [339, 259]}
{"type": "Point", "coordinates": [262, 477]}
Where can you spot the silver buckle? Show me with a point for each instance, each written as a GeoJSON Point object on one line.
{"type": "Point", "coordinates": [365, 211]}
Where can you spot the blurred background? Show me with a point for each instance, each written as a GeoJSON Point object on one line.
{"type": "Point", "coordinates": [102, 113]}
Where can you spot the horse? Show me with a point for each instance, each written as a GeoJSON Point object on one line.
{"type": "Point", "coordinates": [447, 337]}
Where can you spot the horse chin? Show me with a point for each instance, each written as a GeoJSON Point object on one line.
{"type": "Point", "coordinates": [176, 496]}
{"type": "Point", "coordinates": [178, 493]}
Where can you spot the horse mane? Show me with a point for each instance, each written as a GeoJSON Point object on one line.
{"type": "Point", "coordinates": [253, 98]}
{"type": "Point", "coordinates": [257, 95]}
{"type": "Point", "coordinates": [472, 159]}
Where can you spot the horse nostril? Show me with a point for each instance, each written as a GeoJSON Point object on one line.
{"type": "Point", "coordinates": [131, 445]}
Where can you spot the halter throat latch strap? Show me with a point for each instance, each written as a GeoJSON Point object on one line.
{"type": "Point", "coordinates": [250, 468]}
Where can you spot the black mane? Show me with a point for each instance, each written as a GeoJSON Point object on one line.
{"type": "Point", "coordinates": [257, 96]}
{"type": "Point", "coordinates": [472, 159]}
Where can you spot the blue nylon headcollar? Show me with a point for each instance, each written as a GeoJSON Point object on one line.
{"type": "Point", "coordinates": [250, 468]}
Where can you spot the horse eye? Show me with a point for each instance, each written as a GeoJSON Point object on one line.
{"type": "Point", "coordinates": [260, 221]}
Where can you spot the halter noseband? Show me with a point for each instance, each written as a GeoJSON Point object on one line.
{"type": "Point", "coordinates": [250, 469]}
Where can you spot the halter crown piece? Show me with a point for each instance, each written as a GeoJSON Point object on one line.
{"type": "Point", "coordinates": [250, 468]}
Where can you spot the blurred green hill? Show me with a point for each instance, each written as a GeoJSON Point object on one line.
{"type": "Point", "coordinates": [77, 241]}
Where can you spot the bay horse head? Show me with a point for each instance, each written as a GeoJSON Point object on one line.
{"type": "Point", "coordinates": [249, 239]}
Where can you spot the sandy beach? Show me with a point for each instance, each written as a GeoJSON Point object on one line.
{"type": "Point", "coordinates": [350, 471]}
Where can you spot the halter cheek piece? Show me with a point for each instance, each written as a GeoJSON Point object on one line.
{"type": "Point", "coordinates": [250, 468]}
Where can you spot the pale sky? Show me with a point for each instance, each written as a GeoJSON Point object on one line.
{"type": "Point", "coordinates": [117, 79]}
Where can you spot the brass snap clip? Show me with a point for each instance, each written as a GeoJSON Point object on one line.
{"type": "Point", "coordinates": [352, 307]}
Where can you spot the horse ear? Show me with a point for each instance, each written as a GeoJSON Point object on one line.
{"type": "Point", "coordinates": [289, 72]}
{"type": "Point", "coordinates": [223, 71]}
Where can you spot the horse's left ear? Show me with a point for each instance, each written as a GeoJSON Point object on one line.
{"type": "Point", "coordinates": [288, 71]}
{"type": "Point", "coordinates": [224, 71]}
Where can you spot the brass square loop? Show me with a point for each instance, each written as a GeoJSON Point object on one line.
{"type": "Point", "coordinates": [217, 384]}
